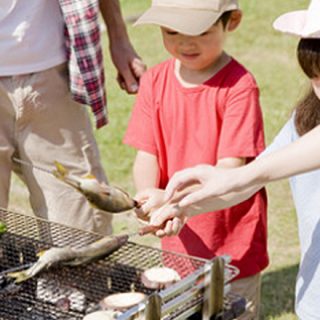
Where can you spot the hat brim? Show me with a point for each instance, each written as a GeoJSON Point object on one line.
{"type": "Point", "coordinates": [295, 23]}
{"type": "Point", "coordinates": [186, 21]}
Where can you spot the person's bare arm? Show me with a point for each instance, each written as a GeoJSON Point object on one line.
{"type": "Point", "coordinates": [145, 176]}
{"type": "Point", "coordinates": [177, 216]}
{"type": "Point", "coordinates": [230, 162]}
{"type": "Point", "coordinates": [173, 217]}
{"type": "Point", "coordinates": [301, 156]}
{"type": "Point", "coordinates": [145, 171]}
{"type": "Point", "coordinates": [129, 65]}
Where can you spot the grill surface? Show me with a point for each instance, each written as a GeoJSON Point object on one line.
{"type": "Point", "coordinates": [70, 292]}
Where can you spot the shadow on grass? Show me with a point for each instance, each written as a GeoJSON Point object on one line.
{"type": "Point", "coordinates": [278, 290]}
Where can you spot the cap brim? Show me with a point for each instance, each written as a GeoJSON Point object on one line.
{"type": "Point", "coordinates": [186, 21]}
{"type": "Point", "coordinates": [291, 23]}
{"type": "Point", "coordinates": [299, 24]}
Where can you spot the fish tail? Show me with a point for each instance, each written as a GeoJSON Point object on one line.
{"type": "Point", "coordinates": [61, 172]}
{"type": "Point", "coordinates": [19, 276]}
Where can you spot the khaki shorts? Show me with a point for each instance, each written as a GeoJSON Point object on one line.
{"type": "Point", "coordinates": [40, 123]}
{"type": "Point", "coordinates": [249, 288]}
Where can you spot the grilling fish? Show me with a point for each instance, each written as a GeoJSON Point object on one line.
{"type": "Point", "coordinates": [100, 195]}
{"type": "Point", "coordinates": [70, 256]}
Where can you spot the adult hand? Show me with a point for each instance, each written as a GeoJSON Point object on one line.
{"type": "Point", "coordinates": [213, 182]}
{"type": "Point", "coordinates": [129, 65]}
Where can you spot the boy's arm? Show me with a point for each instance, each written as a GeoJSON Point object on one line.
{"type": "Point", "coordinates": [145, 171]}
{"type": "Point", "coordinates": [231, 162]}
{"type": "Point", "coordinates": [146, 177]}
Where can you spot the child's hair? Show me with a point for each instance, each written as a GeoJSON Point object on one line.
{"type": "Point", "coordinates": [224, 18]}
{"type": "Point", "coordinates": [308, 109]}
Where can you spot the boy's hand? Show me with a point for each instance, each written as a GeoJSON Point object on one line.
{"type": "Point", "coordinates": [150, 199]}
{"type": "Point", "coordinates": [172, 215]}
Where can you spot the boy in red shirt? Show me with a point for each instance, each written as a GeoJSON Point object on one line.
{"type": "Point", "coordinates": [202, 106]}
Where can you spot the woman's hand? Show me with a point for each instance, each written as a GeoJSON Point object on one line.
{"type": "Point", "coordinates": [213, 182]}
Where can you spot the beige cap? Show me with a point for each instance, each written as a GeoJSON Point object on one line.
{"type": "Point", "coordinates": [191, 17]}
{"type": "Point", "coordinates": [302, 23]}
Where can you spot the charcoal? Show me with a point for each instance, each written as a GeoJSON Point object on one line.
{"type": "Point", "coordinates": [8, 287]}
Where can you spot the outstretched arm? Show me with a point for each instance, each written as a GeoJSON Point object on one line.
{"type": "Point", "coordinates": [172, 211]}
{"type": "Point", "coordinates": [221, 188]}
{"type": "Point", "coordinates": [301, 156]}
{"type": "Point", "coordinates": [129, 65]}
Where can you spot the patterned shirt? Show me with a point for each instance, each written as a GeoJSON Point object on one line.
{"type": "Point", "coordinates": [84, 54]}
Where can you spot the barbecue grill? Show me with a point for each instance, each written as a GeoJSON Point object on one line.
{"type": "Point", "coordinates": [72, 292]}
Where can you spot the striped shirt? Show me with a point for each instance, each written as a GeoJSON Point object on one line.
{"type": "Point", "coordinates": [84, 55]}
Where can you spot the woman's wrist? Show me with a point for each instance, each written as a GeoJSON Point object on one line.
{"type": "Point", "coordinates": [255, 173]}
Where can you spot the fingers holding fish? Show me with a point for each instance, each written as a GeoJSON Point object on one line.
{"type": "Point", "coordinates": [149, 199]}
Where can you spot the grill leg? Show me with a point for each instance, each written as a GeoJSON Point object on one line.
{"type": "Point", "coordinates": [214, 289]}
{"type": "Point", "coordinates": [153, 308]}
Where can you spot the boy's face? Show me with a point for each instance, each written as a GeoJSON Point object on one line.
{"type": "Point", "coordinates": [195, 52]}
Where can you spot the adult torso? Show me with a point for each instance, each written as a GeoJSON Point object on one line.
{"type": "Point", "coordinates": [31, 36]}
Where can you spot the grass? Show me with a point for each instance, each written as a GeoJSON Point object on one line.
{"type": "Point", "coordinates": [270, 56]}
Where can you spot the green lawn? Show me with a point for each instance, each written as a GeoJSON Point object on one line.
{"type": "Point", "coordinates": [271, 58]}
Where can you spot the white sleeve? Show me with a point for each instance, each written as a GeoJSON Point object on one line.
{"type": "Point", "coordinates": [286, 136]}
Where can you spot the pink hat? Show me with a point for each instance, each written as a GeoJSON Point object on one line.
{"type": "Point", "coordinates": [303, 23]}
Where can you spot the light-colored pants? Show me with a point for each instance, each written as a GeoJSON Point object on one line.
{"type": "Point", "coordinates": [249, 288]}
{"type": "Point", "coordinates": [40, 123]}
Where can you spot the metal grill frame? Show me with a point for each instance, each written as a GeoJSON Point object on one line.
{"type": "Point", "coordinates": [200, 290]}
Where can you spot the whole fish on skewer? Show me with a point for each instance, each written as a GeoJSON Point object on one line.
{"type": "Point", "coordinates": [69, 256]}
{"type": "Point", "coordinates": [100, 195]}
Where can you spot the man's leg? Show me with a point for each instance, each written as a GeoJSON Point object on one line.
{"type": "Point", "coordinates": [53, 127]}
{"type": "Point", "coordinates": [249, 288]}
{"type": "Point", "coordinates": [7, 125]}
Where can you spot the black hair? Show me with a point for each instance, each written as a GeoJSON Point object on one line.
{"type": "Point", "coordinates": [224, 18]}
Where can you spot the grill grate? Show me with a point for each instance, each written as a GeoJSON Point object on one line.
{"type": "Point", "coordinates": [70, 292]}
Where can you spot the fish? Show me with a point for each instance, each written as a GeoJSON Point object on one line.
{"type": "Point", "coordinates": [100, 195]}
{"type": "Point", "coordinates": [68, 256]}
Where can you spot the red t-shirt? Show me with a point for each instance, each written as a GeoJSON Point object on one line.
{"type": "Point", "coordinates": [184, 127]}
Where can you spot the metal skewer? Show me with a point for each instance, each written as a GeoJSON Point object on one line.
{"type": "Point", "coordinates": [146, 230]}
{"type": "Point", "coordinates": [31, 165]}
{"type": "Point", "coordinates": [143, 231]}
